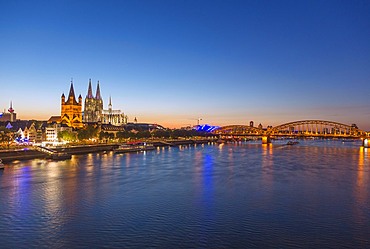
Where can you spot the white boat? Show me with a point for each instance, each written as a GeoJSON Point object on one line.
{"type": "Point", "coordinates": [127, 148]}
{"type": "Point", "coordinates": [134, 147]}
{"type": "Point", "coordinates": [1, 164]}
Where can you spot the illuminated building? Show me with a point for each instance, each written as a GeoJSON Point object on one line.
{"type": "Point", "coordinates": [93, 110]}
{"type": "Point", "coordinates": [71, 110]}
{"type": "Point", "coordinates": [206, 128]}
{"type": "Point", "coordinates": [52, 130]}
{"type": "Point", "coordinates": [93, 105]}
{"type": "Point", "coordinates": [113, 117]}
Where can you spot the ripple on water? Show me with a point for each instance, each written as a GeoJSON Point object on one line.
{"type": "Point", "coordinates": [236, 196]}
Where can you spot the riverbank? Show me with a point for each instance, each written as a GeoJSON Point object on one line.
{"type": "Point", "coordinates": [31, 152]}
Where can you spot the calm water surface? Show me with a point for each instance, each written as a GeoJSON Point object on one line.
{"type": "Point", "coordinates": [312, 195]}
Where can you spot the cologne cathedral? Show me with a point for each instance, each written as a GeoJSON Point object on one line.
{"type": "Point", "coordinates": [94, 112]}
{"type": "Point", "coordinates": [93, 105]}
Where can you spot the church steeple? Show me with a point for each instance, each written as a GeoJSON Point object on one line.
{"type": "Point", "coordinates": [89, 91]}
{"type": "Point", "coordinates": [110, 103]}
{"type": "Point", "coordinates": [98, 96]}
{"type": "Point", "coordinates": [71, 96]}
{"type": "Point", "coordinates": [71, 110]}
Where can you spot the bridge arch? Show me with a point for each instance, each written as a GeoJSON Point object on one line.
{"type": "Point", "coordinates": [238, 130]}
{"type": "Point", "coordinates": [319, 128]}
{"type": "Point", "coordinates": [316, 127]}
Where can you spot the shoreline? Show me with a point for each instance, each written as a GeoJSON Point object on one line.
{"type": "Point", "coordinates": [30, 153]}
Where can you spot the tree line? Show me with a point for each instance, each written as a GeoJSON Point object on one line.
{"type": "Point", "coordinates": [93, 133]}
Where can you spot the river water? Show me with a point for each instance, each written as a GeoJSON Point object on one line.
{"type": "Point", "coordinates": [315, 194]}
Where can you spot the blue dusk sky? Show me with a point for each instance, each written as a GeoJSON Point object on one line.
{"type": "Point", "coordinates": [172, 62]}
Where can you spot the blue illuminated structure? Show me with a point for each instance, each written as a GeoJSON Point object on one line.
{"type": "Point", "coordinates": [206, 128]}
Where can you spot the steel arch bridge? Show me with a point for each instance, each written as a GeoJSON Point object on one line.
{"type": "Point", "coordinates": [303, 128]}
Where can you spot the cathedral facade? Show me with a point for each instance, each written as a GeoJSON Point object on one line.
{"type": "Point", "coordinates": [93, 105]}
{"type": "Point", "coordinates": [94, 112]}
{"type": "Point", "coordinates": [113, 117]}
{"type": "Point", "coordinates": [71, 110]}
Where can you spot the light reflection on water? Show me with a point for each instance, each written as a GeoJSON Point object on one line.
{"type": "Point", "coordinates": [314, 194]}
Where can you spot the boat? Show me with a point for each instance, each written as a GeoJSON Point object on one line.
{"type": "Point", "coordinates": [349, 140]}
{"type": "Point", "coordinates": [221, 141]}
{"type": "Point", "coordinates": [124, 148]}
{"type": "Point", "coordinates": [147, 146]}
{"type": "Point", "coordinates": [292, 142]}
{"type": "Point", "coordinates": [134, 147]}
{"type": "Point", "coordinates": [60, 156]}
{"type": "Point", "coordinates": [1, 164]}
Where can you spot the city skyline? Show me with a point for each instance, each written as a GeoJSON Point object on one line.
{"type": "Point", "coordinates": [172, 63]}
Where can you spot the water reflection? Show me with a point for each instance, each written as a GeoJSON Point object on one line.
{"type": "Point", "coordinates": [241, 195]}
{"type": "Point", "coordinates": [361, 194]}
{"type": "Point", "coordinates": [267, 165]}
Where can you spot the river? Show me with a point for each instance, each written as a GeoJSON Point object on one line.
{"type": "Point", "coordinates": [315, 194]}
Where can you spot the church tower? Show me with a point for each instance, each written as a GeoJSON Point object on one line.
{"type": "Point", "coordinates": [98, 104]}
{"type": "Point", "coordinates": [93, 105]}
{"type": "Point", "coordinates": [71, 110]}
{"type": "Point", "coordinates": [89, 109]}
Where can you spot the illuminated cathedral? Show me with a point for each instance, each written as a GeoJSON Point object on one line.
{"type": "Point", "coordinates": [71, 110]}
{"type": "Point", "coordinates": [93, 105]}
{"type": "Point", "coordinates": [113, 117]}
{"type": "Point", "coordinates": [94, 112]}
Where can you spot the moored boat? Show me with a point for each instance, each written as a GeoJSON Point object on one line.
{"type": "Point", "coordinates": [134, 147]}
{"type": "Point", "coordinates": [1, 164]}
{"type": "Point", "coordinates": [124, 148]}
{"type": "Point", "coordinates": [147, 146]}
{"type": "Point", "coordinates": [60, 156]}
{"type": "Point", "coordinates": [292, 142]}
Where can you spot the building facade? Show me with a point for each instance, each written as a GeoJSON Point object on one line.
{"type": "Point", "coordinates": [52, 130]}
{"type": "Point", "coordinates": [93, 105]}
{"type": "Point", "coordinates": [71, 110]}
{"type": "Point", "coordinates": [94, 112]}
{"type": "Point", "coordinates": [113, 117]}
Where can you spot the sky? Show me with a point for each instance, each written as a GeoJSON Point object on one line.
{"type": "Point", "coordinates": [174, 62]}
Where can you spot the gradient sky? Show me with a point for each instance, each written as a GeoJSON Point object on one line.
{"type": "Point", "coordinates": [171, 62]}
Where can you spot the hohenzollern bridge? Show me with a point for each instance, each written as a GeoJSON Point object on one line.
{"type": "Point", "coordinates": [296, 129]}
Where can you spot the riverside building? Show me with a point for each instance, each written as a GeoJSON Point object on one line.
{"type": "Point", "coordinates": [71, 110]}
{"type": "Point", "coordinates": [94, 112]}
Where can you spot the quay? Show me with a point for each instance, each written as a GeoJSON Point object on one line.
{"type": "Point", "coordinates": [62, 153]}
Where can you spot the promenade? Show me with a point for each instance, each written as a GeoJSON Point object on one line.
{"type": "Point", "coordinates": [32, 152]}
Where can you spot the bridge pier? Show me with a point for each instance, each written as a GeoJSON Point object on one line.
{"type": "Point", "coordinates": [365, 143]}
{"type": "Point", "coordinates": [266, 140]}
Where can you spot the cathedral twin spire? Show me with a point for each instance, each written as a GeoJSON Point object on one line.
{"type": "Point", "coordinates": [93, 105]}
{"type": "Point", "coordinates": [72, 115]}
{"type": "Point", "coordinates": [90, 94]}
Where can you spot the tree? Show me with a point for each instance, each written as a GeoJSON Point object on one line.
{"type": "Point", "coordinates": [106, 136]}
{"type": "Point", "coordinates": [162, 133]}
{"type": "Point", "coordinates": [88, 132]}
{"type": "Point", "coordinates": [69, 136]}
{"type": "Point", "coordinates": [143, 134]}
{"type": "Point", "coordinates": [6, 136]}
{"type": "Point", "coordinates": [123, 134]}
